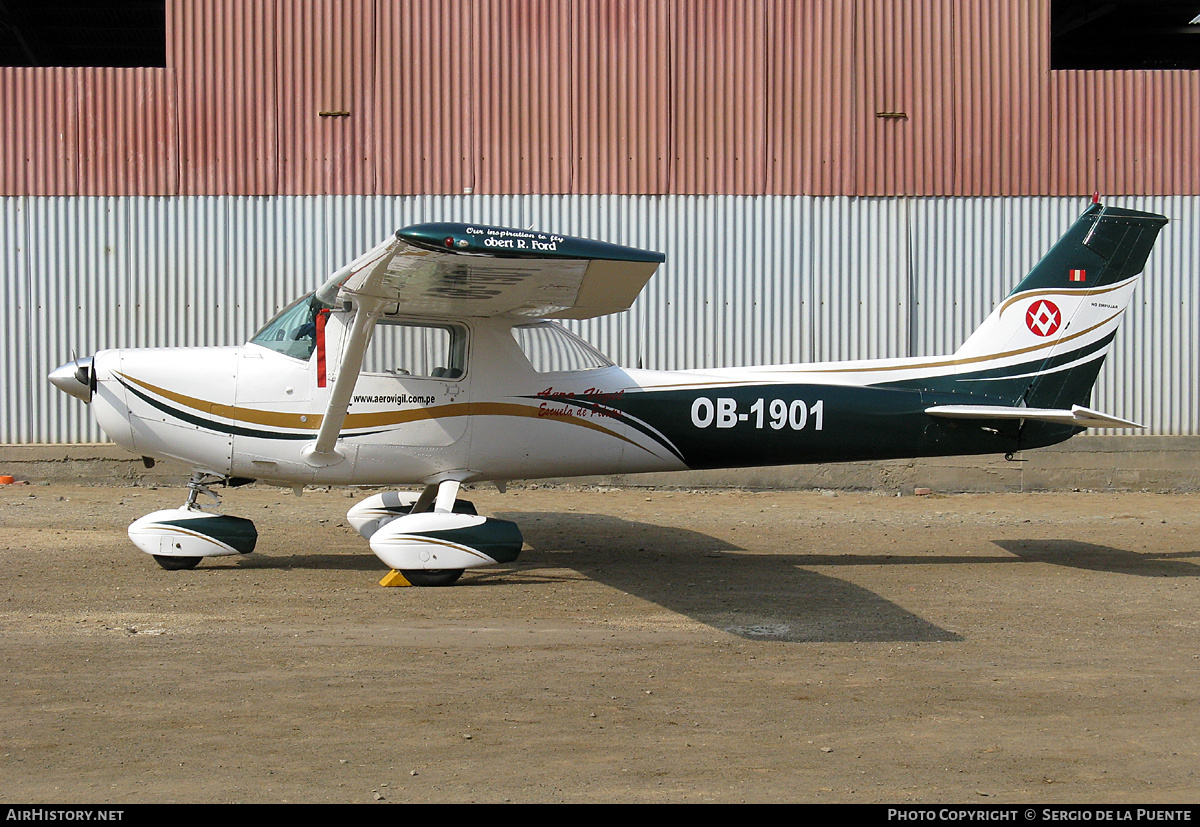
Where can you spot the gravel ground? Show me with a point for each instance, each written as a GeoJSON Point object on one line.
{"type": "Point", "coordinates": [648, 646]}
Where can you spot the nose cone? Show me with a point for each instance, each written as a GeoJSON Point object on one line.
{"type": "Point", "coordinates": [76, 378]}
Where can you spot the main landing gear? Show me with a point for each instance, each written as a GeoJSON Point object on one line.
{"type": "Point", "coordinates": [428, 538]}
{"type": "Point", "coordinates": [432, 537]}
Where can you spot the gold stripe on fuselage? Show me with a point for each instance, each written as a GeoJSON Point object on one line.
{"type": "Point", "coordinates": [988, 357]}
{"type": "Point", "coordinates": [312, 422]}
{"type": "Point", "coordinates": [869, 367]}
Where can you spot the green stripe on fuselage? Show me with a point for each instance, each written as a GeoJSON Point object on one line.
{"type": "Point", "coordinates": [743, 426]}
{"type": "Point", "coordinates": [1008, 385]}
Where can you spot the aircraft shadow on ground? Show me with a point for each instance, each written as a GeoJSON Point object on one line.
{"type": "Point", "coordinates": [1092, 557]}
{"type": "Point", "coordinates": [356, 558]}
{"type": "Point", "coordinates": [755, 596]}
{"type": "Point", "coordinates": [759, 596]}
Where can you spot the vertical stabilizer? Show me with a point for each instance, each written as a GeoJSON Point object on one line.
{"type": "Point", "coordinates": [1044, 344]}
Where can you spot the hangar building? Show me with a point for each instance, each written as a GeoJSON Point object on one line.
{"type": "Point", "coordinates": [828, 178]}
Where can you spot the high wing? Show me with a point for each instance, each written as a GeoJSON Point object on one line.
{"type": "Point", "coordinates": [462, 270]}
{"type": "Point", "coordinates": [470, 270]}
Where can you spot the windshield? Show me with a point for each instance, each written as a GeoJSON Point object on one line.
{"type": "Point", "coordinates": [293, 331]}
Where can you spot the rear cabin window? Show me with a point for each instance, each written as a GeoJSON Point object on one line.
{"type": "Point", "coordinates": [551, 348]}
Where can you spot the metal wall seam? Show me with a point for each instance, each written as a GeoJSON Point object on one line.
{"type": "Point", "coordinates": [328, 128]}
{"type": "Point", "coordinates": [126, 132]}
{"type": "Point", "coordinates": [224, 58]}
{"type": "Point", "coordinates": [427, 103]}
{"type": "Point", "coordinates": [621, 112]}
{"type": "Point", "coordinates": [40, 141]}
{"type": "Point", "coordinates": [15, 360]}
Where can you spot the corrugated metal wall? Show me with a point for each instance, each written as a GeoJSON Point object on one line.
{"type": "Point", "coordinates": [182, 205]}
{"type": "Point", "coordinates": [88, 131]}
{"type": "Point", "coordinates": [748, 280]}
{"type": "Point", "coordinates": [770, 97]}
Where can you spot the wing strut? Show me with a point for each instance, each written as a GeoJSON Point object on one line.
{"type": "Point", "coordinates": [323, 451]}
{"type": "Point", "coordinates": [361, 281]}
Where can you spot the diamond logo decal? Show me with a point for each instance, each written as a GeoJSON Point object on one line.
{"type": "Point", "coordinates": [1043, 317]}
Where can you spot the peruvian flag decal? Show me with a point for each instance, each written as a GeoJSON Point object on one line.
{"type": "Point", "coordinates": [1077, 275]}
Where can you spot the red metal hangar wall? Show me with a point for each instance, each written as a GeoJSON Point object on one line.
{"type": "Point", "coordinates": [774, 97]}
{"type": "Point", "coordinates": [829, 179]}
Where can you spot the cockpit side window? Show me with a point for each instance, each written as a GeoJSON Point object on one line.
{"type": "Point", "coordinates": [293, 331]}
{"type": "Point", "coordinates": [420, 350]}
{"type": "Point", "coordinates": [551, 348]}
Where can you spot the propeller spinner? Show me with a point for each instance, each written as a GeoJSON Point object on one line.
{"type": "Point", "coordinates": [76, 378]}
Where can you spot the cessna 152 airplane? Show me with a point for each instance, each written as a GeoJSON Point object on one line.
{"type": "Point", "coordinates": [433, 360]}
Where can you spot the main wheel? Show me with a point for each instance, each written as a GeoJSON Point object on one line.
{"type": "Point", "coordinates": [177, 563]}
{"type": "Point", "coordinates": [432, 577]}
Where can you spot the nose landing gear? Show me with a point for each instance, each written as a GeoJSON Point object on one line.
{"type": "Point", "coordinates": [179, 538]}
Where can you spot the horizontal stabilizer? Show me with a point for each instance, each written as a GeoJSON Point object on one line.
{"type": "Point", "coordinates": [1078, 416]}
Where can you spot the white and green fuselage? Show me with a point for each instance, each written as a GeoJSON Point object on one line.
{"type": "Point", "coordinates": [431, 360]}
